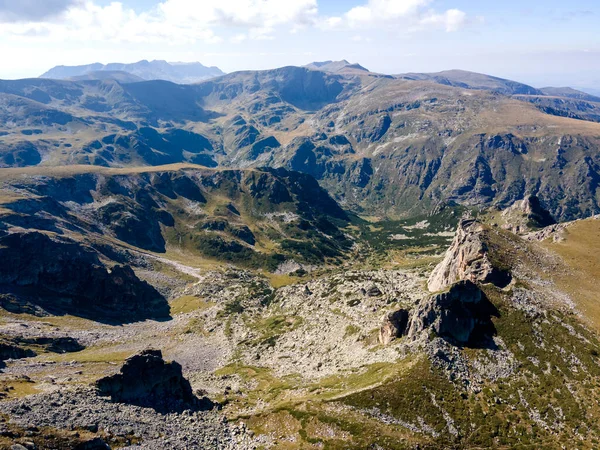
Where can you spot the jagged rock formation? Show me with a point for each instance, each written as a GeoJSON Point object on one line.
{"type": "Point", "coordinates": [459, 315]}
{"type": "Point", "coordinates": [525, 215]}
{"type": "Point", "coordinates": [147, 380]}
{"type": "Point", "coordinates": [10, 350]}
{"type": "Point", "coordinates": [467, 259]}
{"type": "Point", "coordinates": [18, 347]}
{"type": "Point", "coordinates": [64, 277]}
{"type": "Point", "coordinates": [394, 326]}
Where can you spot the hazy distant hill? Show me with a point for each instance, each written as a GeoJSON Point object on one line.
{"type": "Point", "coordinates": [335, 66]}
{"type": "Point", "coordinates": [117, 75]}
{"type": "Point", "coordinates": [569, 93]}
{"type": "Point", "coordinates": [472, 80]}
{"type": "Point", "coordinates": [182, 73]}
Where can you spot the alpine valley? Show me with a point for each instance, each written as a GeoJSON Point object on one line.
{"type": "Point", "coordinates": [316, 257]}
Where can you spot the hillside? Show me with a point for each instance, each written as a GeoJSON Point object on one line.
{"type": "Point", "coordinates": [409, 353]}
{"type": "Point", "coordinates": [472, 80]}
{"type": "Point", "coordinates": [380, 146]}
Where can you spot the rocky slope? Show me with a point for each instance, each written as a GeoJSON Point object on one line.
{"type": "Point", "coordinates": [258, 218]}
{"type": "Point", "coordinates": [348, 357]}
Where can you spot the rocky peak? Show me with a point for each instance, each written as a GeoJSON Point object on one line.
{"type": "Point", "coordinates": [467, 259]}
{"type": "Point", "coordinates": [394, 326]}
{"type": "Point", "coordinates": [147, 380]}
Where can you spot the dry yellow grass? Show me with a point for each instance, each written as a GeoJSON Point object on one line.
{"type": "Point", "coordinates": [581, 252]}
{"type": "Point", "coordinates": [13, 173]}
{"type": "Point", "coordinates": [189, 303]}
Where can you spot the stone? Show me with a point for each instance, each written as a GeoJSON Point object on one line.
{"type": "Point", "coordinates": [394, 326]}
{"type": "Point", "coordinates": [93, 444]}
{"type": "Point", "coordinates": [147, 380]}
{"type": "Point", "coordinates": [455, 315]}
{"type": "Point", "coordinates": [467, 259]}
{"type": "Point", "coordinates": [374, 291]}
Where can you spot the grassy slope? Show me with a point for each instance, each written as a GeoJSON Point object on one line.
{"type": "Point", "coordinates": [550, 398]}
{"type": "Point", "coordinates": [581, 252]}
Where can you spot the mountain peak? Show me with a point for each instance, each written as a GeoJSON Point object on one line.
{"type": "Point", "coordinates": [335, 66]}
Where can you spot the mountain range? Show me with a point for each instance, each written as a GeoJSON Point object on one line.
{"type": "Point", "coordinates": [182, 73]}
{"type": "Point", "coordinates": [401, 145]}
{"type": "Point", "coordinates": [324, 256]}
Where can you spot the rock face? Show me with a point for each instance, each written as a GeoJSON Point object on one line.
{"type": "Point", "coordinates": [394, 326]}
{"type": "Point", "coordinates": [147, 380]}
{"type": "Point", "coordinates": [62, 276]}
{"type": "Point", "coordinates": [467, 259]}
{"type": "Point", "coordinates": [527, 214]}
{"type": "Point", "coordinates": [9, 350]}
{"type": "Point", "coordinates": [460, 315]}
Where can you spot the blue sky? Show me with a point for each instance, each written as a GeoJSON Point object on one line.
{"type": "Point", "coordinates": [539, 42]}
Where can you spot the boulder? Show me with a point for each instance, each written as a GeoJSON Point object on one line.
{"type": "Point", "coordinates": [527, 215]}
{"type": "Point", "coordinates": [460, 315]}
{"type": "Point", "coordinates": [374, 291]}
{"type": "Point", "coordinates": [147, 380]}
{"type": "Point", "coordinates": [394, 326]}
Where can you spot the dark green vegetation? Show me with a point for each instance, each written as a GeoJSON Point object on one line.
{"type": "Point", "coordinates": [428, 231]}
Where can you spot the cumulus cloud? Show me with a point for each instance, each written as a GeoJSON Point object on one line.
{"type": "Point", "coordinates": [33, 10]}
{"type": "Point", "coordinates": [208, 21]}
{"type": "Point", "coordinates": [240, 13]}
{"type": "Point", "coordinates": [175, 21]}
{"type": "Point", "coordinates": [410, 14]}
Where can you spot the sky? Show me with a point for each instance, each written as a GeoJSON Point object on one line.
{"type": "Point", "coordinates": [540, 42]}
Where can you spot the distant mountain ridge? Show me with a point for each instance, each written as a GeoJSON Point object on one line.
{"type": "Point", "coordinates": [176, 72]}
{"type": "Point", "coordinates": [473, 80]}
{"type": "Point", "coordinates": [570, 93]}
{"type": "Point", "coordinates": [335, 66]}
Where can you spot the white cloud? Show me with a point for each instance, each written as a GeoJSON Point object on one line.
{"type": "Point", "coordinates": [240, 13]}
{"type": "Point", "coordinates": [411, 15]}
{"type": "Point", "coordinates": [360, 38]}
{"type": "Point", "coordinates": [238, 38]}
{"type": "Point", "coordinates": [173, 21]}
{"type": "Point", "coordinates": [187, 22]}
{"type": "Point", "coordinates": [451, 20]}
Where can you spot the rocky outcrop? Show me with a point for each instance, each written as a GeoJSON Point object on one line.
{"type": "Point", "coordinates": [394, 326]}
{"type": "Point", "coordinates": [467, 259]}
{"type": "Point", "coordinates": [16, 347]}
{"type": "Point", "coordinates": [147, 380]}
{"type": "Point", "coordinates": [63, 276]}
{"type": "Point", "coordinates": [10, 350]}
{"type": "Point", "coordinates": [526, 215]}
{"type": "Point", "coordinates": [461, 315]}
